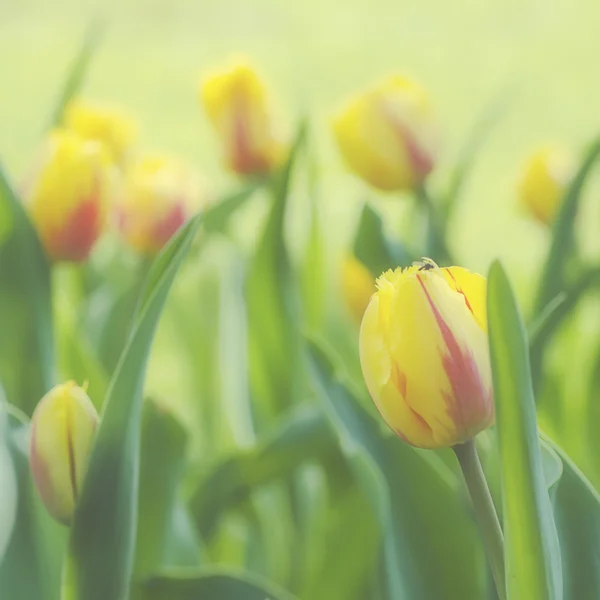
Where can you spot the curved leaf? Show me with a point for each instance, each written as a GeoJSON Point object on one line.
{"type": "Point", "coordinates": [26, 344]}
{"type": "Point", "coordinates": [532, 549]}
{"type": "Point", "coordinates": [100, 557]}
{"type": "Point", "coordinates": [211, 585]}
{"type": "Point", "coordinates": [553, 277]}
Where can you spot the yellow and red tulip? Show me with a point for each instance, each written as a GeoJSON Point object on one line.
{"type": "Point", "coordinates": [62, 432]}
{"type": "Point", "coordinates": [68, 196]}
{"type": "Point", "coordinates": [237, 105]}
{"type": "Point", "coordinates": [424, 354]}
{"type": "Point", "coordinates": [104, 124]}
{"type": "Point", "coordinates": [544, 180]}
{"type": "Point", "coordinates": [384, 135]}
{"type": "Point", "coordinates": [358, 285]}
{"type": "Point", "coordinates": [158, 196]}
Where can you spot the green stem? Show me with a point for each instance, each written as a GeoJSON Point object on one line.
{"type": "Point", "coordinates": [436, 234]}
{"type": "Point", "coordinates": [485, 511]}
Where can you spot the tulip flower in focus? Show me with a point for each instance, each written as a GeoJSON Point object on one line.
{"type": "Point", "coordinates": [384, 135]}
{"type": "Point", "coordinates": [424, 354]}
{"type": "Point", "coordinates": [62, 431]}
{"type": "Point", "coordinates": [358, 285]}
{"type": "Point", "coordinates": [68, 195]}
{"type": "Point", "coordinates": [237, 105]}
{"type": "Point", "coordinates": [158, 196]}
{"type": "Point", "coordinates": [110, 126]}
{"type": "Point", "coordinates": [544, 180]}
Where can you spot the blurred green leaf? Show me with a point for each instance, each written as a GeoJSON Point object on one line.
{"type": "Point", "coordinates": [162, 457]}
{"type": "Point", "coordinates": [31, 567]}
{"type": "Point", "coordinates": [217, 216]}
{"type": "Point", "coordinates": [100, 557]}
{"type": "Point", "coordinates": [26, 344]}
{"type": "Point", "coordinates": [577, 513]}
{"type": "Point", "coordinates": [374, 249]}
{"type": "Point", "coordinates": [303, 436]}
{"type": "Point", "coordinates": [8, 482]}
{"type": "Point", "coordinates": [553, 279]}
{"type": "Point", "coordinates": [273, 304]}
{"type": "Point", "coordinates": [412, 493]}
{"type": "Point", "coordinates": [532, 549]}
{"type": "Point", "coordinates": [209, 585]}
{"type": "Point", "coordinates": [77, 70]}
{"type": "Point", "coordinates": [553, 315]}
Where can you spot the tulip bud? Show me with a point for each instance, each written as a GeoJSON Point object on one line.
{"type": "Point", "coordinates": [68, 196]}
{"type": "Point", "coordinates": [237, 105]}
{"type": "Point", "coordinates": [158, 197]}
{"type": "Point", "coordinates": [544, 180]}
{"type": "Point", "coordinates": [424, 354]}
{"type": "Point", "coordinates": [384, 135]}
{"type": "Point", "coordinates": [111, 127]}
{"type": "Point", "coordinates": [62, 432]}
{"type": "Point", "coordinates": [358, 286]}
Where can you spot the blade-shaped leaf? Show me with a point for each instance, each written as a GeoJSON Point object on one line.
{"type": "Point", "coordinates": [273, 304]}
{"type": "Point", "coordinates": [26, 344]}
{"type": "Point", "coordinates": [77, 70]}
{"type": "Point", "coordinates": [216, 217]}
{"type": "Point", "coordinates": [374, 249]}
{"type": "Point", "coordinates": [553, 277]}
{"type": "Point", "coordinates": [412, 492]}
{"type": "Point", "coordinates": [577, 513]}
{"type": "Point", "coordinates": [100, 557]}
{"type": "Point", "coordinates": [8, 482]}
{"type": "Point", "coordinates": [212, 585]}
{"type": "Point", "coordinates": [162, 453]}
{"type": "Point", "coordinates": [532, 550]}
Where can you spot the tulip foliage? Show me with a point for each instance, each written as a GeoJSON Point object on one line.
{"type": "Point", "coordinates": [198, 402]}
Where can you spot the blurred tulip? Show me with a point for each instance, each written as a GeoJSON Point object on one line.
{"type": "Point", "coordinates": [424, 354]}
{"type": "Point", "coordinates": [62, 431]}
{"type": "Point", "coordinates": [110, 126]}
{"type": "Point", "coordinates": [544, 180]}
{"type": "Point", "coordinates": [237, 105]}
{"type": "Point", "coordinates": [384, 135]}
{"type": "Point", "coordinates": [68, 195]}
{"type": "Point", "coordinates": [158, 196]}
{"type": "Point", "coordinates": [358, 286]}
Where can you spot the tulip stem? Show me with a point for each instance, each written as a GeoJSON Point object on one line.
{"type": "Point", "coordinates": [485, 511]}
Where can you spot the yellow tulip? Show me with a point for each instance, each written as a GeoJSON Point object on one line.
{"type": "Point", "coordinates": [424, 354]}
{"type": "Point", "coordinates": [62, 432]}
{"type": "Point", "coordinates": [544, 180]}
{"type": "Point", "coordinates": [158, 196]}
{"type": "Point", "coordinates": [110, 126]}
{"type": "Point", "coordinates": [384, 135]}
{"type": "Point", "coordinates": [68, 196]}
{"type": "Point", "coordinates": [237, 105]}
{"type": "Point", "coordinates": [358, 285]}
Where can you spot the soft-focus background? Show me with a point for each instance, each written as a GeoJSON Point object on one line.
{"type": "Point", "coordinates": [542, 55]}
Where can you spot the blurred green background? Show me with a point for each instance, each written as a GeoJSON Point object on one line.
{"type": "Point", "coordinates": [542, 55]}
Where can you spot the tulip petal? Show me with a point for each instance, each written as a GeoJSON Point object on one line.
{"type": "Point", "coordinates": [472, 287]}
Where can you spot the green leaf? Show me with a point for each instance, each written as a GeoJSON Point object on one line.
{"type": "Point", "coordinates": [273, 304]}
{"type": "Point", "coordinates": [217, 216]}
{"type": "Point", "coordinates": [374, 249]}
{"type": "Point", "coordinates": [30, 568]}
{"type": "Point", "coordinates": [210, 585]}
{"type": "Point", "coordinates": [553, 315]}
{"type": "Point", "coordinates": [554, 274]}
{"type": "Point", "coordinates": [412, 492]}
{"type": "Point", "coordinates": [162, 457]}
{"type": "Point", "coordinates": [532, 549]}
{"type": "Point", "coordinates": [577, 513]}
{"type": "Point", "coordinates": [232, 481]}
{"type": "Point", "coordinates": [8, 482]}
{"type": "Point", "coordinates": [77, 70]}
{"type": "Point", "coordinates": [100, 557]}
{"type": "Point", "coordinates": [26, 344]}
